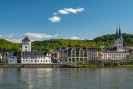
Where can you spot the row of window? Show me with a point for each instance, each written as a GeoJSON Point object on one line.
{"type": "Point", "coordinates": [114, 54]}
{"type": "Point", "coordinates": [11, 60]}
{"type": "Point", "coordinates": [35, 57]}
{"type": "Point", "coordinates": [12, 57]}
{"type": "Point", "coordinates": [37, 60]}
{"type": "Point", "coordinates": [114, 57]}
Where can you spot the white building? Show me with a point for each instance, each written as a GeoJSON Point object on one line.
{"type": "Point", "coordinates": [113, 55]}
{"type": "Point", "coordinates": [33, 57]}
{"type": "Point", "coordinates": [117, 52]}
{"type": "Point", "coordinates": [12, 58]}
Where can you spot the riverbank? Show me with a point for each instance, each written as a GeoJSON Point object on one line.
{"type": "Point", "coordinates": [89, 64]}
{"type": "Point", "coordinates": [96, 66]}
{"type": "Point", "coordinates": [57, 66]}
{"type": "Point", "coordinates": [30, 65]}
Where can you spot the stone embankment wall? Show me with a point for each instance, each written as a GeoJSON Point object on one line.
{"type": "Point", "coordinates": [30, 65]}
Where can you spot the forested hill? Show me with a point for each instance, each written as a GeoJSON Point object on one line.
{"type": "Point", "coordinates": [47, 45]}
{"type": "Point", "coordinates": [63, 43]}
{"type": "Point", "coordinates": [109, 38]}
{"type": "Point", "coordinates": [7, 46]}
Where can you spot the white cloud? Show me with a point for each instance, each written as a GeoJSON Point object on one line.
{"type": "Point", "coordinates": [63, 12]}
{"type": "Point", "coordinates": [15, 40]}
{"type": "Point", "coordinates": [11, 35]}
{"type": "Point", "coordinates": [55, 19]}
{"type": "Point", "coordinates": [70, 10]}
{"type": "Point", "coordinates": [75, 38]}
{"type": "Point", "coordinates": [39, 35]}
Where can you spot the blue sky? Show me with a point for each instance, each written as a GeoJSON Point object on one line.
{"type": "Point", "coordinates": [72, 19]}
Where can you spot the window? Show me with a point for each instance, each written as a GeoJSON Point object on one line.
{"type": "Point", "coordinates": [31, 60]}
{"type": "Point", "coordinates": [25, 46]}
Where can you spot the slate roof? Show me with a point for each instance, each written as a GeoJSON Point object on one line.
{"type": "Point", "coordinates": [26, 39]}
{"type": "Point", "coordinates": [33, 54]}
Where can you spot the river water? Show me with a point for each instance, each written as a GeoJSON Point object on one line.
{"type": "Point", "coordinates": [66, 78]}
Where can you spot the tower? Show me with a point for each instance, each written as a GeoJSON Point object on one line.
{"type": "Point", "coordinates": [118, 42]}
{"type": "Point", "coordinates": [26, 45]}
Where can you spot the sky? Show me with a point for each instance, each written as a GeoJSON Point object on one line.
{"type": "Point", "coordinates": [63, 19]}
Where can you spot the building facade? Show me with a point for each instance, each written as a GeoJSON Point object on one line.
{"type": "Point", "coordinates": [92, 53]}
{"type": "Point", "coordinates": [77, 55]}
{"type": "Point", "coordinates": [12, 58]}
{"type": "Point", "coordinates": [35, 58]}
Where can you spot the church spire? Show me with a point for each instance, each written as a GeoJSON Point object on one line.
{"type": "Point", "coordinates": [120, 32]}
{"type": "Point", "coordinates": [116, 35]}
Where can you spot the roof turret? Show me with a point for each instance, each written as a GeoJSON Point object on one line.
{"type": "Point", "coordinates": [26, 39]}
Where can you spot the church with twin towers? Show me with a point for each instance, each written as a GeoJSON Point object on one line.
{"type": "Point", "coordinates": [118, 41]}
{"type": "Point", "coordinates": [117, 51]}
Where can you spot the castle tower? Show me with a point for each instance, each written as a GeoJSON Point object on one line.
{"type": "Point", "coordinates": [118, 42]}
{"type": "Point", "coordinates": [26, 45]}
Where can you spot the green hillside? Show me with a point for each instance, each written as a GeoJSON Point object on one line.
{"type": "Point", "coordinates": [109, 38]}
{"type": "Point", "coordinates": [47, 45]}
{"type": "Point", "coordinates": [6, 46]}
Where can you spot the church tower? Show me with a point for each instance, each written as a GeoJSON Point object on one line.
{"type": "Point", "coordinates": [26, 45]}
{"type": "Point", "coordinates": [118, 42]}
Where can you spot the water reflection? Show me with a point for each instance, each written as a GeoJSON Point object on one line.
{"type": "Point", "coordinates": [66, 78]}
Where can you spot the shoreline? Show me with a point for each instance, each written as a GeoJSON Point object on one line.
{"type": "Point", "coordinates": [58, 66]}
{"type": "Point", "coordinates": [30, 65]}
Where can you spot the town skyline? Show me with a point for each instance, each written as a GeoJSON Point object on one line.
{"type": "Point", "coordinates": [65, 20]}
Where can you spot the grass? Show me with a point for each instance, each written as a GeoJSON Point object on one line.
{"type": "Point", "coordinates": [88, 66]}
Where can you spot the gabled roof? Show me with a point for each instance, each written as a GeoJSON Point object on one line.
{"type": "Point", "coordinates": [26, 39]}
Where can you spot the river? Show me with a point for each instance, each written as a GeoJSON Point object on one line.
{"type": "Point", "coordinates": [66, 78]}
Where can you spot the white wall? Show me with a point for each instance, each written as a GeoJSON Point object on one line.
{"type": "Point", "coordinates": [36, 60]}
{"type": "Point", "coordinates": [28, 44]}
{"type": "Point", "coordinates": [12, 60]}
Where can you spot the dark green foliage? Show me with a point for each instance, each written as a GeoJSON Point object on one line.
{"type": "Point", "coordinates": [46, 45]}
{"type": "Point", "coordinates": [7, 46]}
{"type": "Point", "coordinates": [109, 38]}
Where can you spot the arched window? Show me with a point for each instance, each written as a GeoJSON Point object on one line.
{"type": "Point", "coordinates": [73, 52]}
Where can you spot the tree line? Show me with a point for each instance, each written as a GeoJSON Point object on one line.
{"type": "Point", "coordinates": [46, 45]}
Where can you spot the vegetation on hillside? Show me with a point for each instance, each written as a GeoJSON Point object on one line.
{"type": "Point", "coordinates": [47, 45]}
{"type": "Point", "coordinates": [7, 46]}
{"type": "Point", "coordinates": [109, 38]}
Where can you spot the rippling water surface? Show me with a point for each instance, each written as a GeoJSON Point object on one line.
{"type": "Point", "coordinates": [66, 78]}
